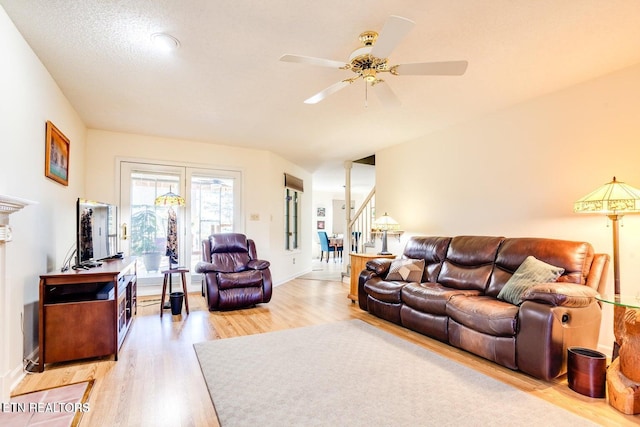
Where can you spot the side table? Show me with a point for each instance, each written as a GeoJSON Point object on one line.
{"type": "Point", "coordinates": [167, 275]}
{"type": "Point", "coordinates": [359, 263]}
{"type": "Point", "coordinates": [623, 374]}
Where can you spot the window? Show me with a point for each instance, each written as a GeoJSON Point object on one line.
{"type": "Point", "coordinates": [291, 219]}
{"type": "Point", "coordinates": [293, 188]}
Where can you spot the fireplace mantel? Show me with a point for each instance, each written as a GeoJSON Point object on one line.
{"type": "Point", "coordinates": [9, 204]}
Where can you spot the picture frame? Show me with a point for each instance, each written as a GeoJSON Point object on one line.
{"type": "Point", "coordinates": [320, 212]}
{"type": "Point", "coordinates": [320, 225]}
{"type": "Point", "coordinates": [56, 163]}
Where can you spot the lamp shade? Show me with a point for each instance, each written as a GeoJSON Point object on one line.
{"type": "Point", "coordinates": [613, 198]}
{"type": "Point", "coordinates": [386, 223]}
{"type": "Point", "coordinates": [169, 199]}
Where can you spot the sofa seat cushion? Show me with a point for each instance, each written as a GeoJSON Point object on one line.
{"type": "Point", "coordinates": [385, 290]}
{"type": "Point", "coordinates": [484, 314]}
{"type": "Point", "coordinates": [431, 297]}
{"type": "Point", "coordinates": [239, 280]}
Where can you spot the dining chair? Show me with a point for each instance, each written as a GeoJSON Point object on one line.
{"type": "Point", "coordinates": [325, 246]}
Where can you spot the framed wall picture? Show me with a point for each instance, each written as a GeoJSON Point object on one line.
{"type": "Point", "coordinates": [56, 158]}
{"type": "Point", "coordinates": [320, 212]}
{"type": "Point", "coordinates": [320, 225]}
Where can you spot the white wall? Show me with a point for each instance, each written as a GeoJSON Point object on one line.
{"type": "Point", "coordinates": [262, 177]}
{"type": "Point", "coordinates": [517, 172]}
{"type": "Point", "coordinates": [43, 233]}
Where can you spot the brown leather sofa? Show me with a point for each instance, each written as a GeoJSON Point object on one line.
{"type": "Point", "coordinates": [233, 276]}
{"type": "Point", "coordinates": [456, 299]}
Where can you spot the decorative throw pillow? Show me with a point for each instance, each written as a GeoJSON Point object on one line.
{"type": "Point", "coordinates": [409, 270]}
{"type": "Point", "coordinates": [532, 271]}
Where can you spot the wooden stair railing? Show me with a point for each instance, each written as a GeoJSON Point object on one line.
{"type": "Point", "coordinates": [359, 228]}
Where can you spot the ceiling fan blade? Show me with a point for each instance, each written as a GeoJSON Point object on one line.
{"type": "Point", "coordinates": [448, 68]}
{"type": "Point", "coordinates": [312, 61]}
{"type": "Point", "coordinates": [392, 33]}
{"type": "Point", "coordinates": [386, 95]}
{"type": "Point", "coordinates": [328, 91]}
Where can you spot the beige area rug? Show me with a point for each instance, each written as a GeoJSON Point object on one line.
{"type": "Point", "coordinates": [352, 374]}
{"type": "Point", "coordinates": [334, 276]}
{"type": "Point", "coordinates": [54, 407]}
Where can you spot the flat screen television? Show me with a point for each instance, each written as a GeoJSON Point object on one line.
{"type": "Point", "coordinates": [97, 237]}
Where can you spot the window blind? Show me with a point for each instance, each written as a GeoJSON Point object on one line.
{"type": "Point", "coordinates": [293, 182]}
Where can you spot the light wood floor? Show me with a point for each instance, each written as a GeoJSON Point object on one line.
{"type": "Point", "coordinates": [157, 380]}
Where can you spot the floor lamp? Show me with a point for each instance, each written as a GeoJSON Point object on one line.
{"type": "Point", "coordinates": [614, 200]}
{"type": "Point", "coordinates": [385, 223]}
{"type": "Point", "coordinates": [170, 199]}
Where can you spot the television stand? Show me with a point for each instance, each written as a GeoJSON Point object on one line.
{"type": "Point", "coordinates": [86, 313]}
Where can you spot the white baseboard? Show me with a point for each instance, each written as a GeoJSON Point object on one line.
{"type": "Point", "coordinates": [11, 380]}
{"type": "Point", "coordinates": [5, 390]}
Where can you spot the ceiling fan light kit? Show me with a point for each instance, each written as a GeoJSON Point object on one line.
{"type": "Point", "coordinates": [370, 59]}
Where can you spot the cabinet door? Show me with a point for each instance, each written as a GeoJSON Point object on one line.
{"type": "Point", "coordinates": [79, 330]}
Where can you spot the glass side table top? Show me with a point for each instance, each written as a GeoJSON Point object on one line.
{"type": "Point", "coordinates": [631, 301]}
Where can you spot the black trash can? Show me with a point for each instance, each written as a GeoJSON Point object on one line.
{"type": "Point", "coordinates": [587, 371]}
{"type": "Point", "coordinates": [175, 299]}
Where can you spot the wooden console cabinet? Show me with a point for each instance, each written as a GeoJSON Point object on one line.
{"type": "Point", "coordinates": [86, 313]}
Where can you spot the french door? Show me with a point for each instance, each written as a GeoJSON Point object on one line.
{"type": "Point", "coordinates": [212, 201]}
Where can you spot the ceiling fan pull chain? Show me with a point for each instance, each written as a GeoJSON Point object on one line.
{"type": "Point", "coordinates": [366, 95]}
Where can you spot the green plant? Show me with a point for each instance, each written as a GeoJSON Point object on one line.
{"type": "Point", "coordinates": [144, 232]}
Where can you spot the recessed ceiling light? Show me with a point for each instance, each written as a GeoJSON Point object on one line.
{"type": "Point", "coordinates": [165, 42]}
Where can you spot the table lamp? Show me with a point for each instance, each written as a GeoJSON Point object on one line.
{"type": "Point", "coordinates": [385, 223]}
{"type": "Point", "coordinates": [614, 200]}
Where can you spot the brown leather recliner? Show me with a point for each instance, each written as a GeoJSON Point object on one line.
{"type": "Point", "coordinates": [233, 276]}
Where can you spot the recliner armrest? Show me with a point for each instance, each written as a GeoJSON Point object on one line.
{"type": "Point", "coordinates": [258, 264]}
{"type": "Point", "coordinates": [204, 267]}
{"type": "Point", "coordinates": [561, 294]}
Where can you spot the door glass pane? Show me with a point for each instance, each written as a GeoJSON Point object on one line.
{"type": "Point", "coordinates": [149, 222]}
{"type": "Point", "coordinates": [212, 210]}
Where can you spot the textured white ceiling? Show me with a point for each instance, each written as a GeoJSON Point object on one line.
{"type": "Point", "coordinates": [225, 85]}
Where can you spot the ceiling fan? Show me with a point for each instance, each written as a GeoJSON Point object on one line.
{"type": "Point", "coordinates": [370, 60]}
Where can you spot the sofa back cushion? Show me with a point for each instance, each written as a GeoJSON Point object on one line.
{"type": "Point", "coordinates": [574, 257]}
{"type": "Point", "coordinates": [469, 262]}
{"type": "Point", "coordinates": [432, 250]}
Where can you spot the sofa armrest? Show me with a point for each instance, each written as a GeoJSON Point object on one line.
{"type": "Point", "coordinates": [380, 266]}
{"type": "Point", "coordinates": [365, 275]}
{"type": "Point", "coordinates": [561, 294]}
{"type": "Point", "coordinates": [258, 264]}
{"type": "Point", "coordinates": [546, 331]}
